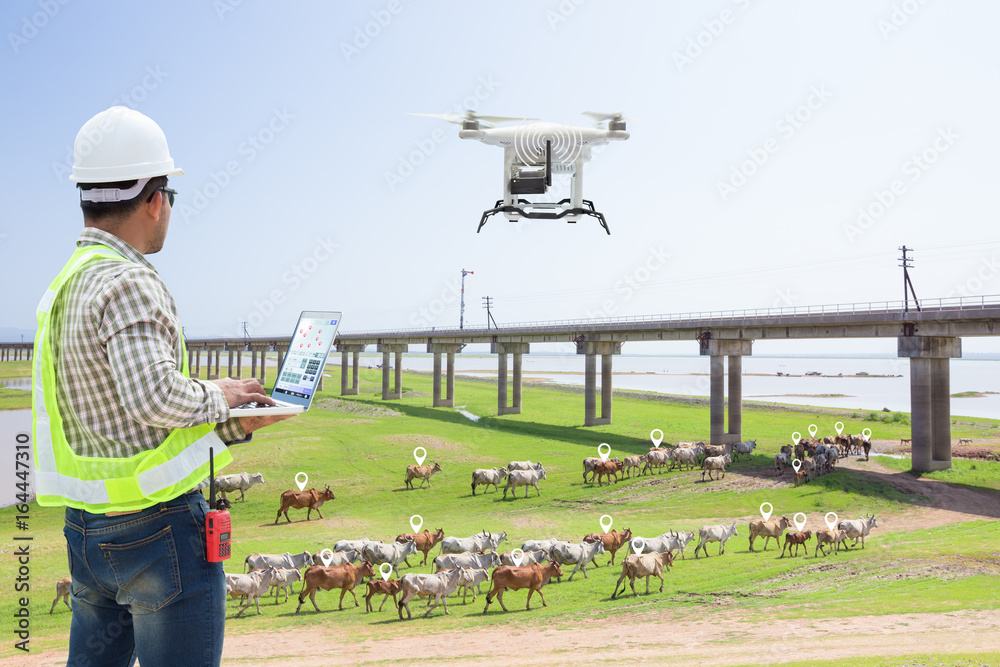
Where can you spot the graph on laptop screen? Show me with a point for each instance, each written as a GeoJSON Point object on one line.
{"type": "Point", "coordinates": [306, 356]}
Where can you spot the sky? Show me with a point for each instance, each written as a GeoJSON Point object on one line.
{"type": "Point", "coordinates": [780, 154]}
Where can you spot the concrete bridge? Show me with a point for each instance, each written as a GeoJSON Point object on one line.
{"type": "Point", "coordinates": [929, 338]}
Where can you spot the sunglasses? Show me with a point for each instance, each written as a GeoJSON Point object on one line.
{"type": "Point", "coordinates": [170, 195]}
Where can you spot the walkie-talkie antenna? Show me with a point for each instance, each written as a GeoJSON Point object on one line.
{"type": "Point", "coordinates": [211, 478]}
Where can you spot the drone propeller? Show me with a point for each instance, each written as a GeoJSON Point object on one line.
{"type": "Point", "coordinates": [472, 116]}
{"type": "Point", "coordinates": [599, 117]}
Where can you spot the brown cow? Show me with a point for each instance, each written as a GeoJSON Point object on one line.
{"type": "Point", "coordinates": [611, 468]}
{"type": "Point", "coordinates": [299, 499]}
{"type": "Point", "coordinates": [612, 541]}
{"type": "Point", "coordinates": [62, 592]}
{"type": "Point", "coordinates": [796, 539]}
{"type": "Point", "coordinates": [377, 586]}
{"type": "Point", "coordinates": [718, 450]}
{"type": "Point", "coordinates": [423, 473]}
{"type": "Point", "coordinates": [532, 577]}
{"type": "Point", "coordinates": [643, 565]}
{"type": "Point", "coordinates": [425, 541]}
{"type": "Point", "coordinates": [345, 577]}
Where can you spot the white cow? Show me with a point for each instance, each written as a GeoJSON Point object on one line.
{"type": "Point", "coordinates": [393, 554]}
{"type": "Point", "coordinates": [717, 533]}
{"type": "Point", "coordinates": [858, 528]}
{"type": "Point", "coordinates": [469, 579]}
{"type": "Point", "coordinates": [539, 545]}
{"type": "Point", "coordinates": [479, 542]}
{"type": "Point", "coordinates": [529, 558]}
{"type": "Point", "coordinates": [487, 477]}
{"type": "Point", "coordinates": [658, 458]}
{"type": "Point", "coordinates": [237, 482]}
{"type": "Point", "coordinates": [523, 465]}
{"type": "Point", "coordinates": [252, 585]}
{"type": "Point", "coordinates": [588, 467]}
{"type": "Point", "coordinates": [339, 558]}
{"type": "Point", "coordinates": [439, 585]}
{"type": "Point", "coordinates": [283, 579]}
{"type": "Point", "coordinates": [298, 561]}
{"type": "Point", "coordinates": [477, 561]}
{"type": "Point", "coordinates": [580, 554]}
{"type": "Point", "coordinates": [717, 463]}
{"type": "Point", "coordinates": [684, 456]}
{"type": "Point", "coordinates": [743, 448]}
{"type": "Point", "coordinates": [348, 545]}
{"type": "Point", "coordinates": [524, 478]}
{"type": "Point", "coordinates": [670, 541]}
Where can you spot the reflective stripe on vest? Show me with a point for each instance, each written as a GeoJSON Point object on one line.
{"type": "Point", "coordinates": [97, 484]}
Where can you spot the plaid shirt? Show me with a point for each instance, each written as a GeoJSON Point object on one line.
{"type": "Point", "coordinates": [116, 346]}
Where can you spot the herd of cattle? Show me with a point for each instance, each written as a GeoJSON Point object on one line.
{"type": "Point", "coordinates": [464, 563]}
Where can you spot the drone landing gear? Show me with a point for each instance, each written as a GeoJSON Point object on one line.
{"type": "Point", "coordinates": [545, 215]}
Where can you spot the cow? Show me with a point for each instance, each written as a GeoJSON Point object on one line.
{"type": "Point", "coordinates": [238, 482]}
{"type": "Point", "coordinates": [609, 468]}
{"type": "Point", "coordinates": [643, 565]}
{"type": "Point", "coordinates": [345, 577]}
{"type": "Point", "coordinates": [684, 455]}
{"type": "Point", "coordinates": [339, 558]}
{"type": "Point", "coordinates": [578, 554]}
{"type": "Point", "coordinates": [423, 473]}
{"type": "Point", "coordinates": [658, 458]}
{"type": "Point", "coordinates": [532, 577]}
{"type": "Point", "coordinates": [832, 456]}
{"type": "Point", "coordinates": [717, 533]}
{"type": "Point", "coordinates": [787, 451]}
{"type": "Point", "coordinates": [539, 545]}
{"type": "Point", "coordinates": [588, 467]}
{"type": "Point", "coordinates": [768, 529]}
{"type": "Point", "coordinates": [62, 592]}
{"type": "Point", "coordinates": [780, 463]}
{"type": "Point", "coordinates": [487, 477]}
{"type": "Point", "coordinates": [961, 441]}
{"type": "Point", "coordinates": [523, 465]}
{"type": "Point", "coordinates": [529, 557]}
{"type": "Point", "coordinates": [312, 499]}
{"type": "Point", "coordinates": [858, 528]}
{"type": "Point", "coordinates": [801, 477]}
{"type": "Point", "coordinates": [252, 585]}
{"type": "Point", "coordinates": [800, 451]}
{"type": "Point", "coordinates": [612, 541]}
{"type": "Point", "coordinates": [470, 580]}
{"type": "Point", "coordinates": [439, 585]}
{"type": "Point", "coordinates": [835, 537]}
{"type": "Point", "coordinates": [741, 448]}
{"type": "Point", "coordinates": [665, 542]}
{"type": "Point", "coordinates": [351, 545]}
{"type": "Point", "coordinates": [718, 450]}
{"type": "Point", "coordinates": [283, 579]}
{"type": "Point", "coordinates": [633, 462]}
{"type": "Point", "coordinates": [525, 478]}
{"type": "Point", "coordinates": [907, 441]}
{"type": "Point", "coordinates": [468, 560]}
{"type": "Point", "coordinates": [425, 541]}
{"type": "Point", "coordinates": [378, 586]}
{"type": "Point", "coordinates": [256, 561]}
{"type": "Point", "coordinates": [714, 463]}
{"type": "Point", "coordinates": [479, 542]}
{"type": "Point", "coordinates": [378, 553]}
{"type": "Point", "coordinates": [796, 540]}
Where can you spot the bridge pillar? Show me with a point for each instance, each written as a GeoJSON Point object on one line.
{"type": "Point", "coordinates": [718, 349]}
{"type": "Point", "coordinates": [239, 364]}
{"type": "Point", "coordinates": [355, 352]}
{"type": "Point", "coordinates": [216, 352]}
{"type": "Point", "coordinates": [930, 398]}
{"type": "Point", "coordinates": [449, 350]}
{"type": "Point", "coordinates": [253, 362]}
{"type": "Point", "coordinates": [229, 371]}
{"type": "Point", "coordinates": [606, 349]}
{"type": "Point", "coordinates": [197, 364]}
{"type": "Point", "coordinates": [502, 350]}
{"type": "Point", "coordinates": [396, 349]}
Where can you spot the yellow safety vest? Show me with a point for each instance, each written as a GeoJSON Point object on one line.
{"type": "Point", "coordinates": [97, 484]}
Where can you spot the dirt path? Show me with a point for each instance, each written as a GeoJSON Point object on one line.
{"type": "Point", "coordinates": [734, 637]}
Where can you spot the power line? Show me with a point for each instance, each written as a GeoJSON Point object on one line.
{"type": "Point", "coordinates": [487, 303]}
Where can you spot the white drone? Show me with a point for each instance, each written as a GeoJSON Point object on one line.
{"type": "Point", "coordinates": [532, 152]}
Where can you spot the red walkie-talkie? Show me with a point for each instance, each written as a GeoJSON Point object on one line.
{"type": "Point", "coordinates": [218, 527]}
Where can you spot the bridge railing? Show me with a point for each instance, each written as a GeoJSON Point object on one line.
{"type": "Point", "coordinates": [946, 304]}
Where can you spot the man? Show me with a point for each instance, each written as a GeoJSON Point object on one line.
{"type": "Point", "coordinates": [122, 434]}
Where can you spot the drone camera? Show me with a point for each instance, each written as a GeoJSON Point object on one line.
{"type": "Point", "coordinates": [616, 125]}
{"type": "Point", "coordinates": [528, 181]}
{"type": "Point", "coordinates": [470, 125]}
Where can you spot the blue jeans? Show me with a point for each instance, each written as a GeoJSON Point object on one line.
{"type": "Point", "coordinates": [142, 588]}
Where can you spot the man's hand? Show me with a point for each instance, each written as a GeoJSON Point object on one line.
{"type": "Point", "coordinates": [239, 392]}
{"type": "Point", "coordinates": [251, 424]}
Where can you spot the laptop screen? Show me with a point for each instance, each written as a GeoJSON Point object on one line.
{"type": "Point", "coordinates": [306, 358]}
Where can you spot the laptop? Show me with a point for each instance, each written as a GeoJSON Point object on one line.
{"type": "Point", "coordinates": [302, 368]}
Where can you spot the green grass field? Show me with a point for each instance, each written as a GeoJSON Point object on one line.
{"type": "Point", "coordinates": [360, 446]}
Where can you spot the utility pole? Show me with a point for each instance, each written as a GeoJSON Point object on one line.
{"type": "Point", "coordinates": [487, 303]}
{"type": "Point", "coordinates": [907, 263]}
{"type": "Point", "coordinates": [461, 315]}
{"type": "Point", "coordinates": [246, 334]}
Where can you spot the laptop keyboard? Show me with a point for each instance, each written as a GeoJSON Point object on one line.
{"type": "Point", "coordinates": [254, 405]}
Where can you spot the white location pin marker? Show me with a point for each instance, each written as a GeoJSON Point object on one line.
{"type": "Point", "coordinates": [770, 508]}
{"type": "Point", "coordinates": [638, 544]}
{"type": "Point", "coordinates": [305, 480]}
{"type": "Point", "coordinates": [385, 569]}
{"type": "Point", "coordinates": [840, 427]}
{"type": "Point", "coordinates": [517, 557]}
{"type": "Point", "coordinates": [604, 454]}
{"type": "Point", "coordinates": [812, 430]}
{"type": "Point", "coordinates": [606, 522]}
{"type": "Point", "coordinates": [800, 524]}
{"type": "Point", "coordinates": [831, 524]}
{"type": "Point", "coordinates": [415, 522]}
{"type": "Point", "coordinates": [657, 439]}
{"type": "Point", "coordinates": [796, 437]}
{"type": "Point", "coordinates": [420, 457]}
{"type": "Point", "coordinates": [326, 557]}
{"type": "Point", "coordinates": [796, 464]}
{"type": "Point", "coordinates": [867, 433]}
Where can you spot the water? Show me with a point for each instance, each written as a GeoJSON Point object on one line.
{"type": "Point", "coordinates": [887, 384]}
{"type": "Point", "coordinates": [24, 384]}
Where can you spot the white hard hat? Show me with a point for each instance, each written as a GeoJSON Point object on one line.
{"type": "Point", "coordinates": [120, 144]}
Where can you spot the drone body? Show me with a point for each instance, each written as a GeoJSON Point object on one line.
{"type": "Point", "coordinates": [533, 151]}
